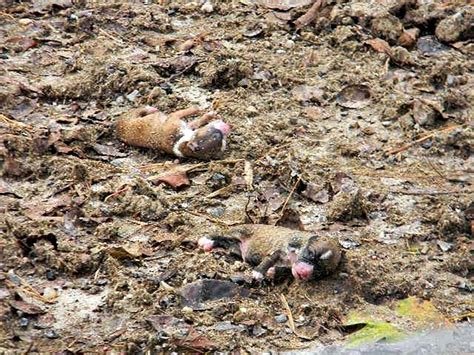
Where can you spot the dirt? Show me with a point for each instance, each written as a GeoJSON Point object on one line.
{"type": "Point", "coordinates": [366, 142]}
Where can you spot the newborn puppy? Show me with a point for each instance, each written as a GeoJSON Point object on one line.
{"type": "Point", "coordinates": [270, 248]}
{"type": "Point", "coordinates": [203, 138]}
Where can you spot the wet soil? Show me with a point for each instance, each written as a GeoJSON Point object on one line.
{"type": "Point", "coordinates": [356, 126]}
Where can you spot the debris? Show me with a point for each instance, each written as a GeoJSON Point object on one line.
{"type": "Point", "coordinates": [454, 27]}
{"type": "Point", "coordinates": [130, 251]}
{"type": "Point", "coordinates": [371, 332]}
{"type": "Point", "coordinates": [195, 294]}
{"type": "Point", "coordinates": [421, 311]}
{"type": "Point", "coordinates": [444, 246]}
{"type": "Point", "coordinates": [175, 178]}
{"type": "Point", "coordinates": [311, 15]}
{"type": "Point", "coordinates": [284, 5]}
{"type": "Point", "coordinates": [306, 93]}
{"type": "Point", "coordinates": [354, 96]}
{"type": "Point", "coordinates": [429, 45]}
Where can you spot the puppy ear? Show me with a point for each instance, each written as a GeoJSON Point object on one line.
{"type": "Point", "coordinates": [326, 255]}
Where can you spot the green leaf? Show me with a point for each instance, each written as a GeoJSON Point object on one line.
{"type": "Point", "coordinates": [420, 311]}
{"type": "Point", "coordinates": [373, 332]}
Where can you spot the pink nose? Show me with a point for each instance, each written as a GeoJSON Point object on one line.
{"type": "Point", "coordinates": [302, 270]}
{"type": "Point", "coordinates": [206, 244]}
{"type": "Point", "coordinates": [222, 126]}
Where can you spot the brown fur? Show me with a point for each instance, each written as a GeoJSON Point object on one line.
{"type": "Point", "coordinates": [265, 240]}
{"type": "Point", "coordinates": [156, 130]}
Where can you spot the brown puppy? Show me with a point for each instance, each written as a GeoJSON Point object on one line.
{"type": "Point", "coordinates": [269, 247]}
{"type": "Point", "coordinates": [203, 138]}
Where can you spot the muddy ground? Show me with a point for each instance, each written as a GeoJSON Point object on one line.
{"type": "Point", "coordinates": [94, 250]}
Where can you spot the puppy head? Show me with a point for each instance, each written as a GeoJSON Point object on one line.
{"type": "Point", "coordinates": [317, 259]}
{"type": "Point", "coordinates": [209, 141]}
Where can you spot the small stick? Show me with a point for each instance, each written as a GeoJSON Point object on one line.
{"type": "Point", "coordinates": [117, 192]}
{"type": "Point", "coordinates": [211, 219]}
{"type": "Point", "coordinates": [13, 123]}
{"type": "Point", "coordinates": [311, 15]}
{"type": "Point", "coordinates": [422, 139]}
{"type": "Point", "coordinates": [115, 39]}
{"type": "Point", "coordinates": [291, 322]}
{"type": "Point", "coordinates": [288, 198]}
{"type": "Point", "coordinates": [431, 192]}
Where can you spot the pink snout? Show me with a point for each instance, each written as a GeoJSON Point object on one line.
{"type": "Point", "coordinates": [206, 244]}
{"type": "Point", "coordinates": [221, 126]}
{"type": "Point", "coordinates": [302, 270]}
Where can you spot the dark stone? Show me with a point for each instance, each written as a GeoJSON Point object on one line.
{"type": "Point", "coordinates": [50, 275]}
{"type": "Point", "coordinates": [194, 294]}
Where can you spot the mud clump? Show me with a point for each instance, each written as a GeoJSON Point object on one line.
{"type": "Point", "coordinates": [348, 205]}
{"type": "Point", "coordinates": [456, 27]}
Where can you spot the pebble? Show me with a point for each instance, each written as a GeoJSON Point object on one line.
{"type": "Point", "coordinates": [50, 275]}
{"type": "Point", "coordinates": [258, 331]}
{"type": "Point", "coordinates": [101, 282]}
{"type": "Point", "coordinates": [444, 246]}
{"type": "Point", "coordinates": [25, 21]}
{"type": "Point", "coordinates": [238, 279]}
{"type": "Point", "coordinates": [207, 7]}
{"type": "Point", "coordinates": [289, 44]}
{"type": "Point", "coordinates": [281, 318]}
{"type": "Point", "coordinates": [50, 293]}
{"type": "Point", "coordinates": [24, 322]}
{"type": "Point", "coordinates": [51, 334]}
{"type": "Point", "coordinates": [187, 310]}
{"type": "Point", "coordinates": [133, 95]}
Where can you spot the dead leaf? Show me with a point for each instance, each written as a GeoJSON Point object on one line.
{"type": "Point", "coordinates": [284, 5]}
{"type": "Point", "coordinates": [108, 150]}
{"type": "Point", "coordinates": [422, 312]}
{"type": "Point", "coordinates": [379, 45]}
{"type": "Point", "coordinates": [27, 308]}
{"type": "Point", "coordinates": [316, 193]}
{"type": "Point", "coordinates": [248, 173]}
{"type": "Point", "coordinates": [174, 178]}
{"type": "Point", "coordinates": [39, 207]}
{"type": "Point", "coordinates": [291, 219]}
{"type": "Point", "coordinates": [20, 43]}
{"type": "Point", "coordinates": [354, 96]}
{"type": "Point", "coordinates": [305, 93]}
{"type": "Point", "coordinates": [130, 251]}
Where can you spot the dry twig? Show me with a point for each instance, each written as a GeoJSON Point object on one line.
{"type": "Point", "coordinates": [311, 15]}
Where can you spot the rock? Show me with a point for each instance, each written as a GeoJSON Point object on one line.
{"type": "Point", "coordinates": [456, 27]}
{"type": "Point", "coordinates": [451, 222]}
{"type": "Point", "coordinates": [51, 334]}
{"type": "Point", "coordinates": [227, 325]}
{"type": "Point", "coordinates": [387, 27]}
{"type": "Point", "coordinates": [429, 45]}
{"type": "Point", "coordinates": [258, 331]}
{"type": "Point", "coordinates": [444, 246]}
{"type": "Point", "coordinates": [24, 322]}
{"type": "Point", "coordinates": [50, 275]}
{"type": "Point", "coordinates": [349, 244]}
{"type": "Point", "coordinates": [281, 318]}
{"type": "Point", "coordinates": [187, 310]}
{"type": "Point", "coordinates": [402, 56]}
{"type": "Point", "coordinates": [348, 205]}
{"type": "Point", "coordinates": [133, 95]}
{"type": "Point", "coordinates": [194, 294]}
{"type": "Point", "coordinates": [207, 7]}
{"type": "Point", "coordinates": [408, 38]}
